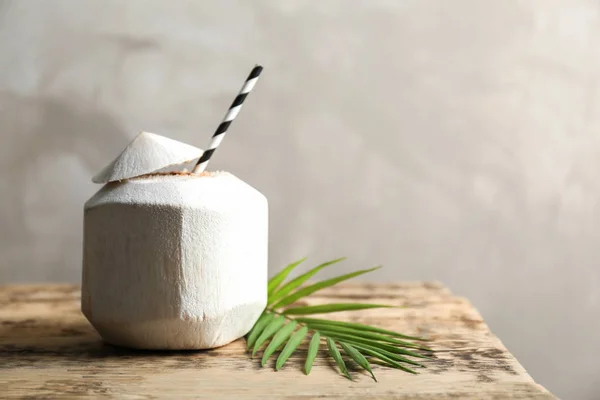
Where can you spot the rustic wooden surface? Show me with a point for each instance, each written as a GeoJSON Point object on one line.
{"type": "Point", "coordinates": [48, 350]}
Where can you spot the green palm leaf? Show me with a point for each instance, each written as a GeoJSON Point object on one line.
{"type": "Point", "coordinates": [393, 356]}
{"type": "Point", "coordinates": [280, 277]}
{"type": "Point", "coordinates": [351, 336]}
{"type": "Point", "coordinates": [359, 340]}
{"type": "Point", "coordinates": [335, 353]}
{"type": "Point", "coordinates": [269, 331]}
{"type": "Point", "coordinates": [286, 301]}
{"type": "Point", "coordinates": [331, 308]}
{"type": "Point", "coordinates": [313, 349]}
{"type": "Point", "coordinates": [294, 283]}
{"type": "Point", "coordinates": [367, 335]}
{"type": "Point", "coordinates": [388, 360]}
{"type": "Point", "coordinates": [291, 345]}
{"type": "Point", "coordinates": [364, 344]}
{"type": "Point", "coordinates": [358, 327]}
{"type": "Point", "coordinates": [280, 337]}
{"type": "Point", "coordinates": [257, 329]}
{"type": "Point", "coordinates": [358, 357]}
{"type": "Point", "coordinates": [375, 360]}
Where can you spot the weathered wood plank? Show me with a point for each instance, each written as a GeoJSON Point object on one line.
{"type": "Point", "coordinates": [48, 350]}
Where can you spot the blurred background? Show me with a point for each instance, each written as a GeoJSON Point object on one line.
{"type": "Point", "coordinates": [455, 141]}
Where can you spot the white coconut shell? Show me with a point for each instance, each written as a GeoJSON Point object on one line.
{"type": "Point", "coordinates": [145, 154]}
{"type": "Point", "coordinates": [175, 261]}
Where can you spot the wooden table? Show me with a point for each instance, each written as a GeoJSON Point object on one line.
{"type": "Point", "coordinates": [49, 350]}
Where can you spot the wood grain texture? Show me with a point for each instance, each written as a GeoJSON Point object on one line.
{"type": "Point", "coordinates": [48, 350]}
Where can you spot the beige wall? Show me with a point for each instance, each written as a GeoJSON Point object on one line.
{"type": "Point", "coordinates": [448, 140]}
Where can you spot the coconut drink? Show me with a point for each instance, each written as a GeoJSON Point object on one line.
{"type": "Point", "coordinates": [174, 259]}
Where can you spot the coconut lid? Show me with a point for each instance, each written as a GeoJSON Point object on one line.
{"type": "Point", "coordinates": [145, 154]}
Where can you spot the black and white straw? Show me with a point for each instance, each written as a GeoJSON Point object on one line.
{"type": "Point", "coordinates": [233, 111]}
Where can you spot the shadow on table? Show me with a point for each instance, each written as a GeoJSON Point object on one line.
{"type": "Point", "coordinates": [37, 342]}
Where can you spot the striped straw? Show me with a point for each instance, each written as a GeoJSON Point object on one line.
{"type": "Point", "coordinates": [233, 111]}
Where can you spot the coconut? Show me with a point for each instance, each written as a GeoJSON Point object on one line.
{"type": "Point", "coordinates": [173, 261]}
